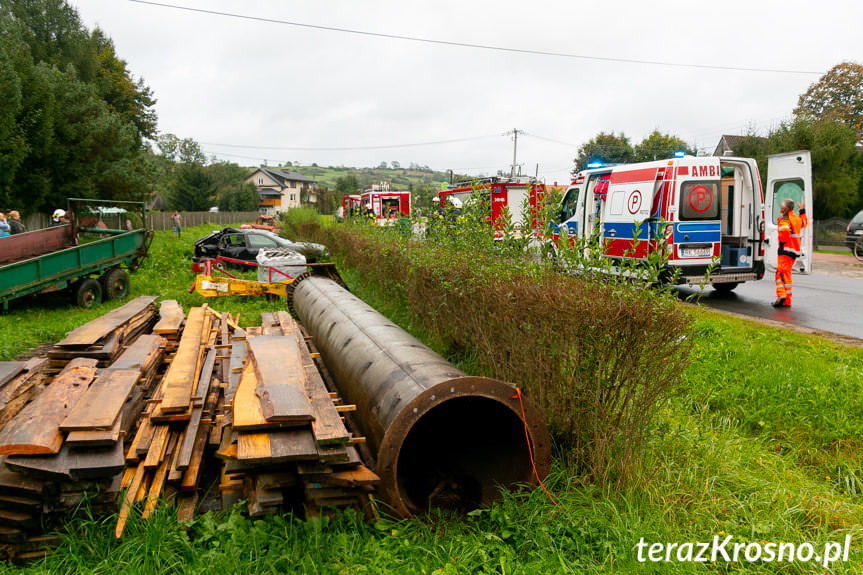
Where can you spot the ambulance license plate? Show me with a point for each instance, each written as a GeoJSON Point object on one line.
{"type": "Point", "coordinates": [696, 252]}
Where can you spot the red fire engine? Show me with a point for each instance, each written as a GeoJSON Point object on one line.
{"type": "Point", "coordinates": [383, 204]}
{"type": "Point", "coordinates": [516, 195]}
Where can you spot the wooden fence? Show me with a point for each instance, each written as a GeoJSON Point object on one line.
{"type": "Point", "coordinates": [162, 220]}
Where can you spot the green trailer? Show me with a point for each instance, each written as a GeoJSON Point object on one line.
{"type": "Point", "coordinates": [89, 256]}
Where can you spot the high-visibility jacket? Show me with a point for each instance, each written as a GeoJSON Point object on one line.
{"type": "Point", "coordinates": [790, 231]}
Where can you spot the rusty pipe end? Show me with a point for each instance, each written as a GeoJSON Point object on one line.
{"type": "Point", "coordinates": [456, 444]}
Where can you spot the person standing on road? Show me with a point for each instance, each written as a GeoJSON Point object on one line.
{"type": "Point", "coordinates": [176, 224]}
{"type": "Point", "coordinates": [790, 230]}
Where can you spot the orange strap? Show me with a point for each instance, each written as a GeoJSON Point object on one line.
{"type": "Point", "coordinates": [530, 450]}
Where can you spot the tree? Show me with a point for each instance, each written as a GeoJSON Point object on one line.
{"type": "Point", "coordinates": [604, 148]}
{"type": "Point", "coordinates": [191, 189]}
{"type": "Point", "coordinates": [327, 200]}
{"type": "Point", "coordinates": [836, 96]}
{"type": "Point", "coordinates": [129, 98]}
{"type": "Point", "coordinates": [62, 132]}
{"type": "Point", "coordinates": [186, 151]}
{"type": "Point", "coordinates": [13, 144]}
{"type": "Point", "coordinates": [346, 185]}
{"type": "Point", "coordinates": [836, 165]}
{"type": "Point", "coordinates": [239, 197]}
{"type": "Point", "coordinates": [232, 194]}
{"type": "Point", "coordinates": [187, 183]}
{"type": "Point", "coordinates": [658, 146]}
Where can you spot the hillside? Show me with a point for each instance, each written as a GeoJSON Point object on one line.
{"type": "Point", "coordinates": [412, 178]}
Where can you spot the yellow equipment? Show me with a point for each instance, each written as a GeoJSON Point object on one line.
{"type": "Point", "coordinates": [219, 286]}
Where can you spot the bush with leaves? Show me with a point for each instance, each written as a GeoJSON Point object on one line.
{"type": "Point", "coordinates": [598, 354]}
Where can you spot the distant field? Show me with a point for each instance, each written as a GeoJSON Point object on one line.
{"type": "Point", "coordinates": [401, 179]}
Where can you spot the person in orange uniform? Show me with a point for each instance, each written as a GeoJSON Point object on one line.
{"type": "Point", "coordinates": [790, 230]}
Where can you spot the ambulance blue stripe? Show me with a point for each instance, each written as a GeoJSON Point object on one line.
{"type": "Point", "coordinates": [626, 230]}
{"type": "Point", "coordinates": [698, 232]}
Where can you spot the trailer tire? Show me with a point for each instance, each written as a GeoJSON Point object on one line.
{"type": "Point", "coordinates": [88, 293]}
{"type": "Point", "coordinates": [115, 284]}
{"type": "Point", "coordinates": [725, 288]}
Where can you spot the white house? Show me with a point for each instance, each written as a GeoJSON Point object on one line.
{"type": "Point", "coordinates": [279, 190]}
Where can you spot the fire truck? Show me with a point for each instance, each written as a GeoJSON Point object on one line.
{"type": "Point", "coordinates": [505, 194]}
{"type": "Point", "coordinates": [704, 212]}
{"type": "Point", "coordinates": [352, 205]}
{"type": "Point", "coordinates": [385, 205]}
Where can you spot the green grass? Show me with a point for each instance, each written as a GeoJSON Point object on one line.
{"type": "Point", "coordinates": [166, 273]}
{"type": "Point", "coordinates": [761, 444]}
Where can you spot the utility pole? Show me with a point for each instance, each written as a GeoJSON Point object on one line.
{"type": "Point", "coordinates": [514, 133]}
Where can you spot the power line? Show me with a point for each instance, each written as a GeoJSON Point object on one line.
{"type": "Point", "coordinates": [479, 46]}
{"type": "Point", "coordinates": [348, 148]}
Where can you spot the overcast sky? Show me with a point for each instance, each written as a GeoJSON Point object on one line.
{"type": "Point", "coordinates": [278, 80]}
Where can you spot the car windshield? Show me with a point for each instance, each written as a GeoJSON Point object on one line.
{"type": "Point", "coordinates": [858, 218]}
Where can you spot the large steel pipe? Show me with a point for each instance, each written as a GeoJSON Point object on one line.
{"type": "Point", "coordinates": [440, 437]}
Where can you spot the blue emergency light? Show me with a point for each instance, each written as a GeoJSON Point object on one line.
{"type": "Point", "coordinates": [594, 165]}
{"type": "Point", "coordinates": [679, 154]}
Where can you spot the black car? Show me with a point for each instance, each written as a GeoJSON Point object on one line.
{"type": "Point", "coordinates": [854, 231]}
{"type": "Point", "coordinates": [244, 244]}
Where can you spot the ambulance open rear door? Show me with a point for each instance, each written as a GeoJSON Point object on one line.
{"type": "Point", "coordinates": [789, 176]}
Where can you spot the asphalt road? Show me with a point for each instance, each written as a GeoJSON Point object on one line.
{"type": "Point", "coordinates": [829, 299]}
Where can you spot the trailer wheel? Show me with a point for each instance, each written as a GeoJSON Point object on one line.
{"type": "Point", "coordinates": [88, 293]}
{"type": "Point", "coordinates": [724, 288]}
{"type": "Point", "coordinates": [115, 284]}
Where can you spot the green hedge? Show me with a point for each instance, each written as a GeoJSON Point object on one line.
{"type": "Point", "coordinates": [597, 356]}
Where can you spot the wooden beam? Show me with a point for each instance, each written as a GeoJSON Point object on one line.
{"type": "Point", "coordinates": [142, 355]}
{"type": "Point", "coordinates": [157, 447]}
{"type": "Point", "coordinates": [101, 404]}
{"type": "Point", "coordinates": [180, 378]}
{"type": "Point", "coordinates": [128, 500]}
{"type": "Point", "coordinates": [191, 434]}
{"type": "Point", "coordinates": [171, 317]}
{"type": "Point", "coordinates": [35, 430]}
{"type": "Point", "coordinates": [94, 438]}
{"type": "Point", "coordinates": [20, 390]}
{"type": "Point", "coordinates": [281, 378]}
{"type": "Point", "coordinates": [192, 472]}
{"type": "Point", "coordinates": [276, 446]}
{"type": "Point", "coordinates": [93, 331]}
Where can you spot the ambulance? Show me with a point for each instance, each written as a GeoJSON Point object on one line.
{"type": "Point", "coordinates": [706, 212]}
{"type": "Point", "coordinates": [505, 194]}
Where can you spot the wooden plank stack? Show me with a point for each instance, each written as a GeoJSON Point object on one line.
{"type": "Point", "coordinates": [155, 414]}
{"type": "Point", "coordinates": [105, 337]}
{"type": "Point", "coordinates": [67, 442]}
{"type": "Point", "coordinates": [283, 434]}
{"type": "Point", "coordinates": [171, 319]}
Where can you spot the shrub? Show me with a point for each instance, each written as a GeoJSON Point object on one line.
{"type": "Point", "coordinates": [300, 223]}
{"type": "Point", "coordinates": [597, 356]}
